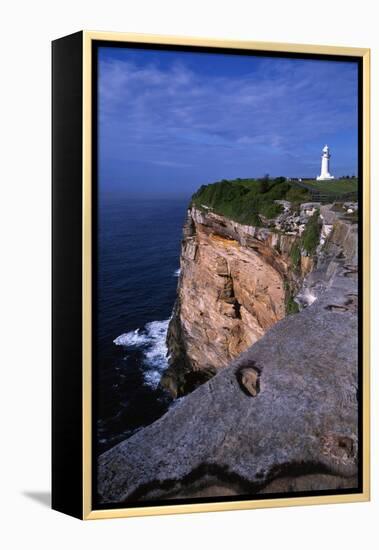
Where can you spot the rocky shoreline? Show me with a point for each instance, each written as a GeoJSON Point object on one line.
{"type": "Point", "coordinates": [281, 416]}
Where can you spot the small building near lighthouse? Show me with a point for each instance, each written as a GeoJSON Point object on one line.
{"type": "Point", "coordinates": [325, 158]}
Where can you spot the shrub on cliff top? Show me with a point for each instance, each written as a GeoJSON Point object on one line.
{"type": "Point", "coordinates": [243, 200]}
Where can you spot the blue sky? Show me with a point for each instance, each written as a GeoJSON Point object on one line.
{"type": "Point", "coordinates": [171, 121]}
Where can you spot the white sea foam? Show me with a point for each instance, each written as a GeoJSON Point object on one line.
{"type": "Point", "coordinates": [177, 272]}
{"type": "Point", "coordinates": [134, 338]}
{"type": "Point", "coordinates": [152, 340]}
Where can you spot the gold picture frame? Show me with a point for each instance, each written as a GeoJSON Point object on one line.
{"type": "Point", "coordinates": [83, 466]}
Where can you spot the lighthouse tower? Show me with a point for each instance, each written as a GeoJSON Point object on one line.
{"type": "Point", "coordinates": [325, 157]}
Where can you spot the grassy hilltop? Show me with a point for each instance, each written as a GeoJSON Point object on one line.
{"type": "Point", "coordinates": [343, 185]}
{"type": "Point", "coordinates": [244, 200]}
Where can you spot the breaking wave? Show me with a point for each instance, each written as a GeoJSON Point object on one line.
{"type": "Point", "coordinates": [176, 272]}
{"type": "Point", "coordinates": [152, 342]}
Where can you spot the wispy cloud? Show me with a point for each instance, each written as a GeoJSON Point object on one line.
{"type": "Point", "coordinates": [273, 116]}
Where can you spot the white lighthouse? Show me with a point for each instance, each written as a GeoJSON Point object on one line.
{"type": "Point", "coordinates": [325, 175]}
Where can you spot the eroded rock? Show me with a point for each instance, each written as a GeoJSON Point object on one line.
{"type": "Point", "coordinates": [249, 378]}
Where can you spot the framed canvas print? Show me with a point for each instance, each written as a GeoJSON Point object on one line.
{"type": "Point", "coordinates": [210, 275]}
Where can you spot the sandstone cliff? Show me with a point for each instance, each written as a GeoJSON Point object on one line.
{"type": "Point", "coordinates": [236, 282]}
{"type": "Point", "coordinates": [283, 415]}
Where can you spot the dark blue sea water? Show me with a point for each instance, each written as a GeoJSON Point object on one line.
{"type": "Point", "coordinates": [138, 263]}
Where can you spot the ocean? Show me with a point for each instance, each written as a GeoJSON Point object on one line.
{"type": "Point", "coordinates": [137, 276]}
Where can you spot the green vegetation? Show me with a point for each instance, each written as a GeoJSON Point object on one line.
{"type": "Point", "coordinates": [297, 195]}
{"type": "Point", "coordinates": [308, 242]}
{"type": "Point", "coordinates": [311, 235]}
{"type": "Point", "coordinates": [337, 186]}
{"type": "Point", "coordinates": [295, 255]}
{"type": "Point", "coordinates": [245, 200]}
{"type": "Point", "coordinates": [290, 304]}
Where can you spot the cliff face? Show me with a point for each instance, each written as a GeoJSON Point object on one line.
{"type": "Point", "coordinates": [283, 416]}
{"type": "Point", "coordinates": [236, 282]}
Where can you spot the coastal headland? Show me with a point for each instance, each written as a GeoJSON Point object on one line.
{"type": "Point", "coordinates": [263, 353]}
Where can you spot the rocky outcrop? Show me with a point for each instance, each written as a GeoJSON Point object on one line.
{"type": "Point", "coordinates": [235, 283]}
{"type": "Point", "coordinates": [338, 246]}
{"type": "Point", "coordinates": [282, 417]}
